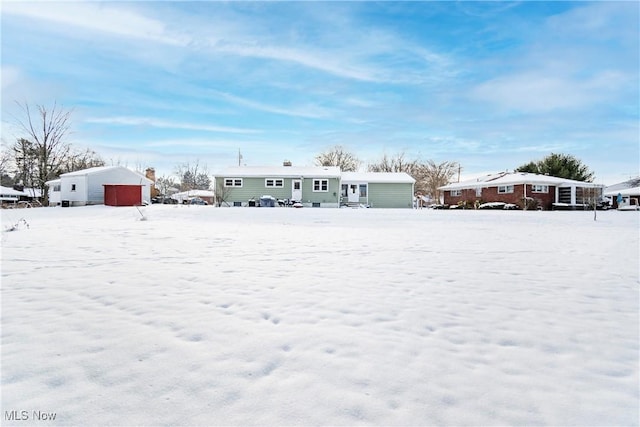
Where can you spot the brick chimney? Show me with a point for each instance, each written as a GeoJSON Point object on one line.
{"type": "Point", "coordinates": [150, 173]}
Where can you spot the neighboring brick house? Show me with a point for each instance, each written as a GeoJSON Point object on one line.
{"type": "Point", "coordinates": [522, 189]}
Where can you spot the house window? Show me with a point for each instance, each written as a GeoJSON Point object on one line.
{"type": "Point", "coordinates": [233, 182]}
{"type": "Point", "coordinates": [456, 193]}
{"type": "Point", "coordinates": [315, 204]}
{"type": "Point", "coordinates": [539, 188]}
{"type": "Point", "coordinates": [321, 185]}
{"type": "Point", "coordinates": [73, 187]}
{"type": "Point", "coordinates": [363, 190]}
{"type": "Point", "coordinates": [345, 190]}
{"type": "Point", "coordinates": [273, 183]}
{"type": "Point", "coordinates": [237, 204]}
{"type": "Point", "coordinates": [56, 187]}
{"type": "Point", "coordinates": [505, 189]}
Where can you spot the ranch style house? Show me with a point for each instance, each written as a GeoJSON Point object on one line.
{"type": "Point", "coordinates": [322, 187]}
{"type": "Point", "coordinates": [522, 189]}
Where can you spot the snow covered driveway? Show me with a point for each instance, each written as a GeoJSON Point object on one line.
{"type": "Point", "coordinates": [247, 316]}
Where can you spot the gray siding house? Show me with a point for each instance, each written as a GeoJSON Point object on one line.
{"type": "Point", "coordinates": [377, 189]}
{"type": "Point", "coordinates": [321, 186]}
{"type": "Point", "coordinates": [311, 186]}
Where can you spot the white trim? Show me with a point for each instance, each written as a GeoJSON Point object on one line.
{"type": "Point", "coordinates": [539, 188]}
{"type": "Point", "coordinates": [233, 182]}
{"type": "Point", "coordinates": [320, 181]}
{"type": "Point", "coordinates": [275, 182]}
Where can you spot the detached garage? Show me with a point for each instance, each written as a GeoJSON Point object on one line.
{"type": "Point", "coordinates": [89, 187]}
{"type": "Point", "coordinates": [122, 195]}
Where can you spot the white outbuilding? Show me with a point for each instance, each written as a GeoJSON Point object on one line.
{"type": "Point", "coordinates": [86, 187]}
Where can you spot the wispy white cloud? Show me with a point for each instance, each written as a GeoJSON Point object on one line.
{"type": "Point", "coordinates": [310, 58]}
{"type": "Point", "coordinates": [598, 21]}
{"type": "Point", "coordinates": [308, 110]}
{"type": "Point", "coordinates": [99, 17]}
{"type": "Point", "coordinates": [539, 91]}
{"type": "Point", "coordinates": [10, 76]}
{"type": "Point", "coordinates": [354, 60]}
{"type": "Point", "coordinates": [485, 10]}
{"type": "Point", "coordinates": [158, 123]}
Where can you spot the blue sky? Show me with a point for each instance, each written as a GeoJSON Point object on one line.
{"type": "Point", "coordinates": [491, 85]}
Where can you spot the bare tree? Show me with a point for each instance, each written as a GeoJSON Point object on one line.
{"type": "Point", "coordinates": [165, 184]}
{"type": "Point", "coordinates": [78, 160]}
{"type": "Point", "coordinates": [590, 198]}
{"type": "Point", "coordinates": [433, 175]}
{"type": "Point", "coordinates": [338, 156]}
{"type": "Point", "coordinates": [46, 130]}
{"type": "Point", "coordinates": [221, 193]}
{"type": "Point", "coordinates": [193, 176]}
{"type": "Point", "coordinates": [6, 165]}
{"type": "Point", "coordinates": [396, 163]}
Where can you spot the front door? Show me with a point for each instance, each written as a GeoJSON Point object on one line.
{"type": "Point", "coordinates": [296, 190]}
{"type": "Point", "coordinates": [354, 194]}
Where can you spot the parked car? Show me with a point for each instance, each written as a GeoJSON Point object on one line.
{"type": "Point", "coordinates": [164, 200]}
{"type": "Point", "coordinates": [197, 201]}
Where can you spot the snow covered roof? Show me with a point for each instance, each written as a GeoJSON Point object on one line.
{"type": "Point", "coordinates": [281, 172]}
{"type": "Point", "coordinates": [101, 169]}
{"type": "Point", "coordinates": [516, 178]}
{"type": "Point", "coordinates": [633, 191]}
{"type": "Point", "coordinates": [626, 188]}
{"type": "Point", "coordinates": [378, 177]}
{"type": "Point", "coordinates": [10, 192]}
{"type": "Point", "coordinates": [94, 170]}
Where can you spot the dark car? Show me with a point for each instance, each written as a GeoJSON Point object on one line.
{"type": "Point", "coordinates": [197, 201]}
{"type": "Point", "coordinates": [164, 200]}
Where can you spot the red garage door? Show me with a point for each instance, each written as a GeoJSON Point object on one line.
{"type": "Point", "coordinates": [122, 195]}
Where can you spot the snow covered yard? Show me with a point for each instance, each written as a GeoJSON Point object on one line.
{"type": "Point", "coordinates": [247, 316]}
